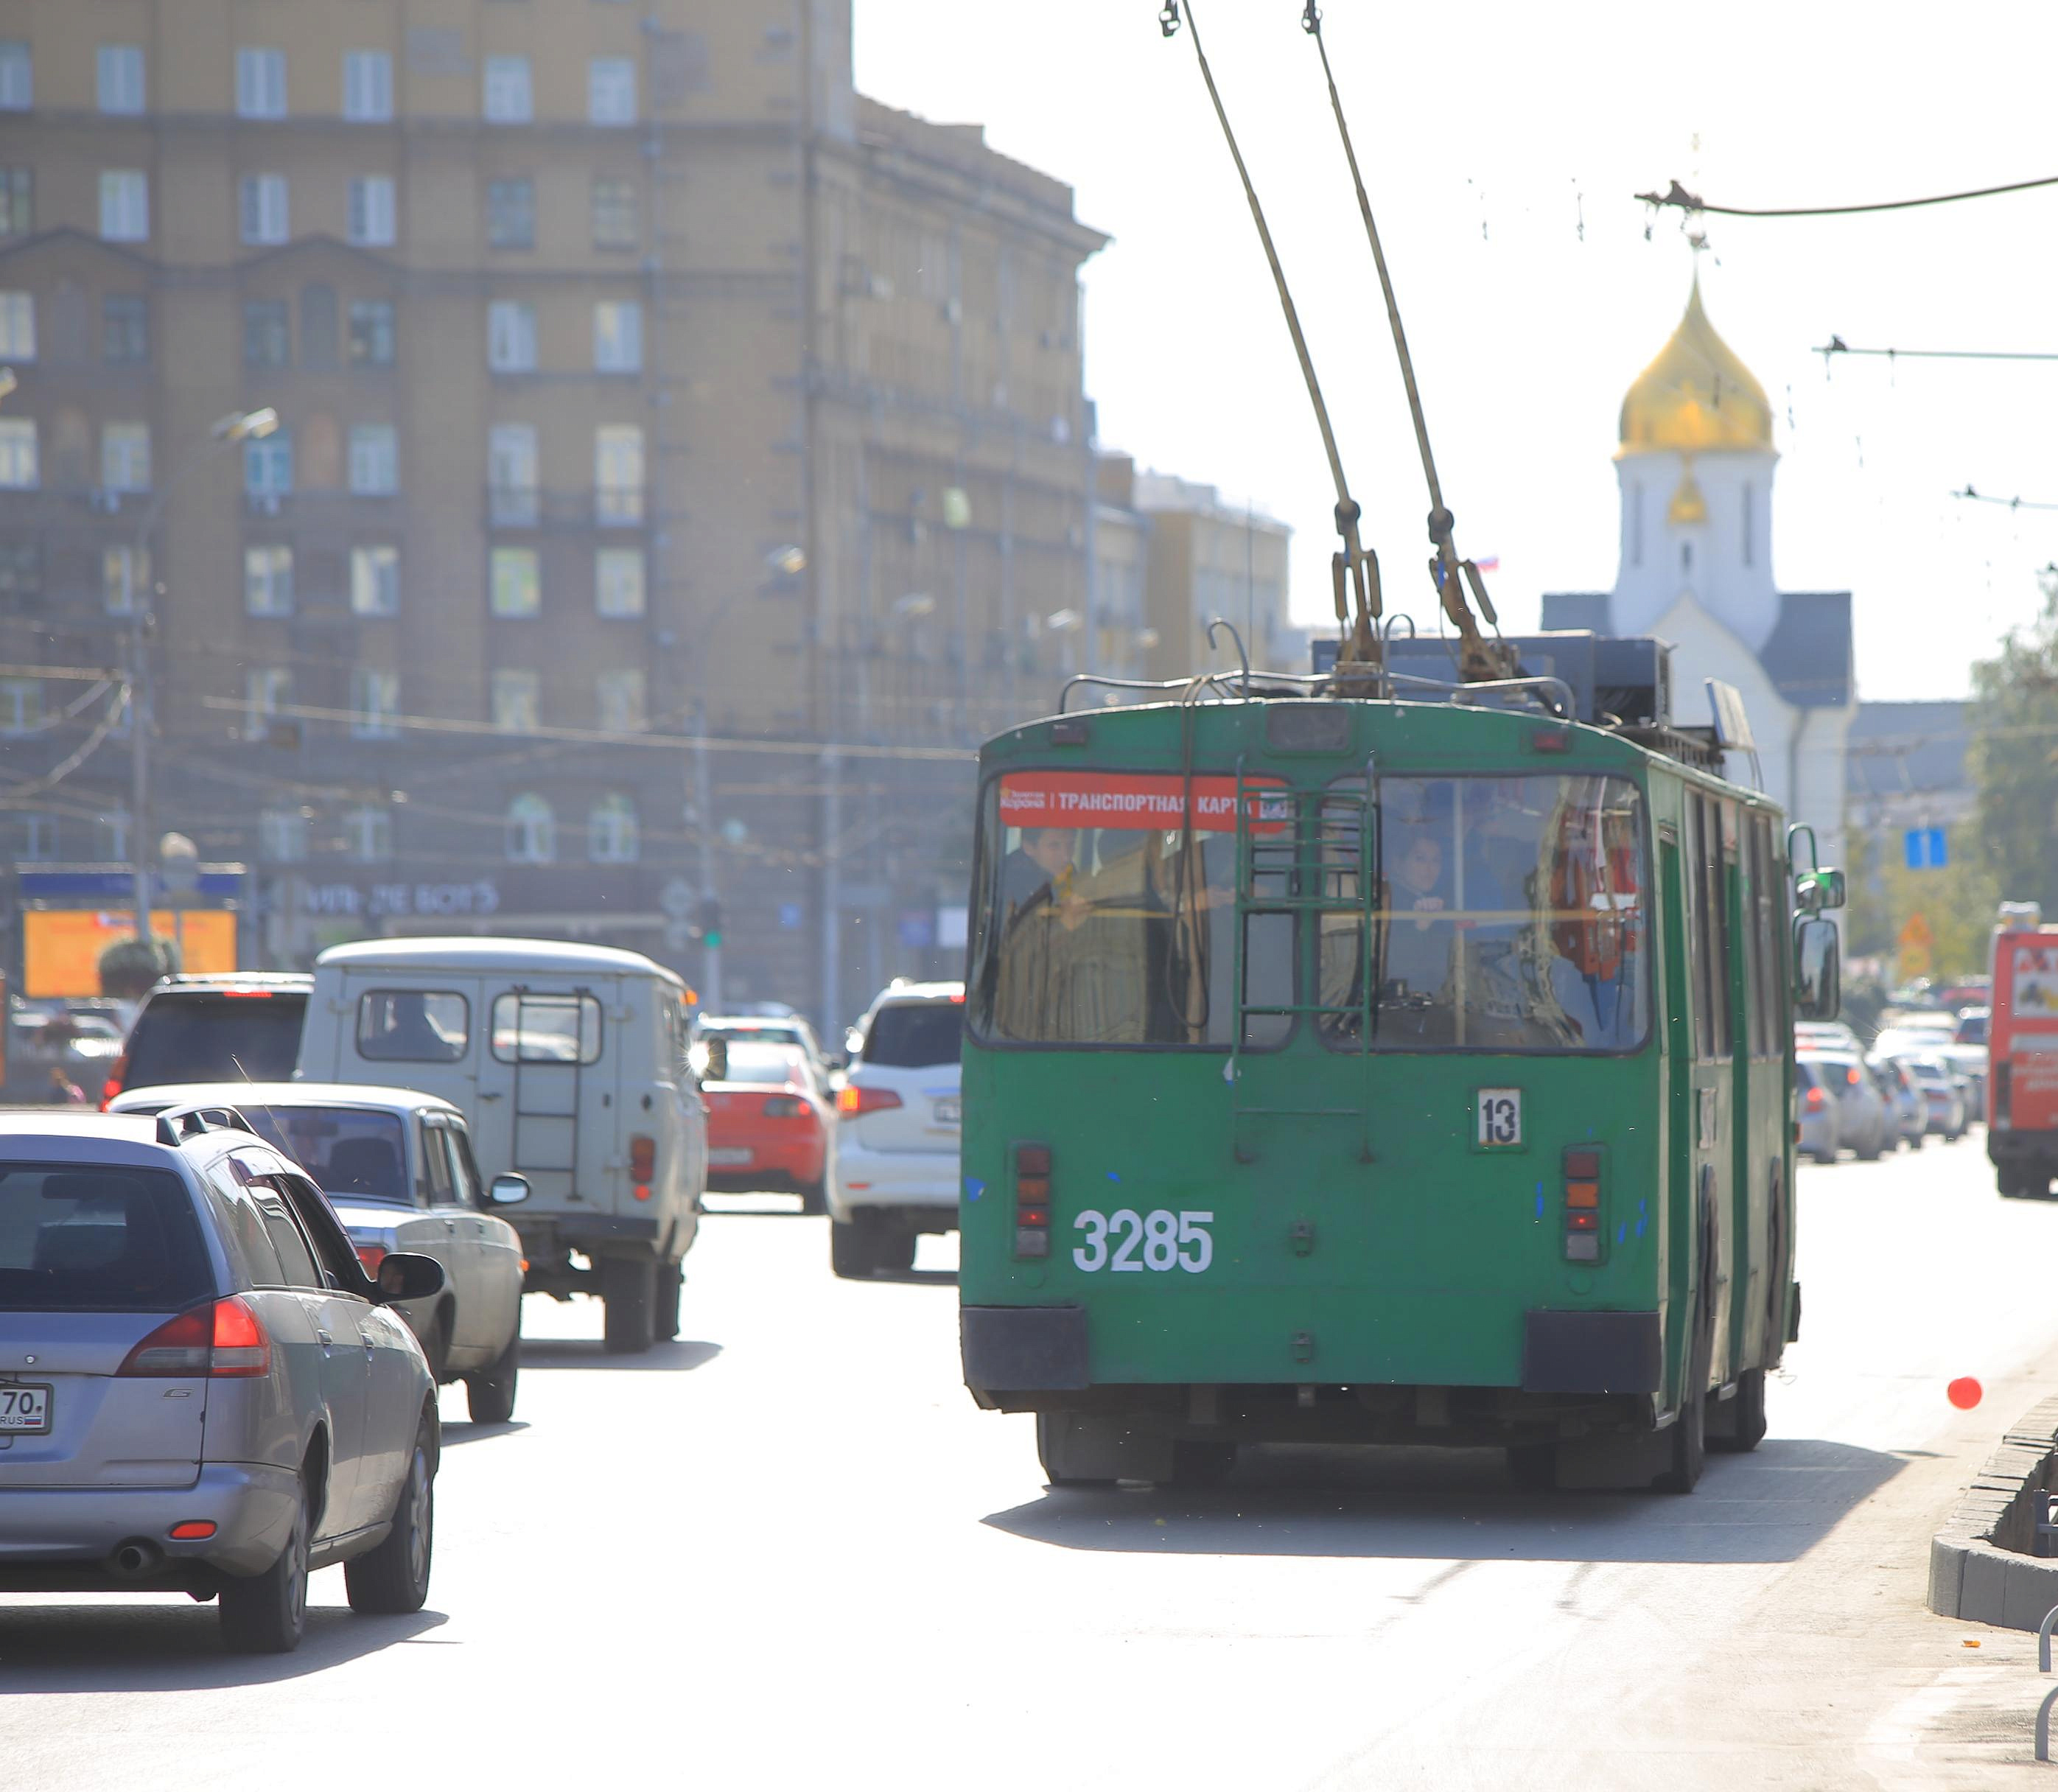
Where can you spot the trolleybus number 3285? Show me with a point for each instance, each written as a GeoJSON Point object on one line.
{"type": "Point", "coordinates": [1166, 1239]}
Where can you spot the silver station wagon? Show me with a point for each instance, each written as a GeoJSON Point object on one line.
{"type": "Point", "coordinates": [397, 1166]}
{"type": "Point", "coordinates": [200, 1389]}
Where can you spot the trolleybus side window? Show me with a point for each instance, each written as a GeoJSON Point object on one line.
{"type": "Point", "coordinates": [1764, 943]}
{"type": "Point", "coordinates": [1719, 842]}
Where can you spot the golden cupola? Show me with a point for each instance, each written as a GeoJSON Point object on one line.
{"type": "Point", "coordinates": [1696, 397]}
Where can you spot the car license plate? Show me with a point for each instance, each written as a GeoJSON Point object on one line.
{"type": "Point", "coordinates": [24, 1407]}
{"type": "Point", "coordinates": [730, 1154]}
{"type": "Point", "coordinates": [950, 1109]}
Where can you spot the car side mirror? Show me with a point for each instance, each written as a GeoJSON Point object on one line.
{"type": "Point", "coordinates": [1817, 980]}
{"type": "Point", "coordinates": [715, 1067]}
{"type": "Point", "coordinates": [405, 1275]}
{"type": "Point", "coordinates": [508, 1191]}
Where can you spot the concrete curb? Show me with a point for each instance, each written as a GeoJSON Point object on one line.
{"type": "Point", "coordinates": [1980, 1567]}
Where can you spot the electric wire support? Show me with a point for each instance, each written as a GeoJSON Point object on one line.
{"type": "Point", "coordinates": [1477, 658]}
{"type": "Point", "coordinates": [1354, 570]}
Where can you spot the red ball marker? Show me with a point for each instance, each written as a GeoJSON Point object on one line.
{"type": "Point", "coordinates": [1963, 1393]}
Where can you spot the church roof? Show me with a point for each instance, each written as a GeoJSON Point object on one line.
{"type": "Point", "coordinates": [1696, 395]}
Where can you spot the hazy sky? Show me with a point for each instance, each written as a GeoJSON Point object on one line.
{"type": "Point", "coordinates": [1487, 134]}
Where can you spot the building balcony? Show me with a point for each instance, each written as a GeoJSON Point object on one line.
{"type": "Point", "coordinates": [525, 507]}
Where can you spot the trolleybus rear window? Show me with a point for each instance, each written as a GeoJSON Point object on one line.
{"type": "Point", "coordinates": [1511, 918]}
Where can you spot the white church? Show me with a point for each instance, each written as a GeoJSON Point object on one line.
{"type": "Point", "coordinates": [1695, 467]}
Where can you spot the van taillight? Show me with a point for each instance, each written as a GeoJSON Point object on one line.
{"type": "Point", "coordinates": [642, 1164]}
{"type": "Point", "coordinates": [222, 1338]}
{"type": "Point", "coordinates": [2002, 1080]}
{"type": "Point", "coordinates": [116, 1076]}
{"type": "Point", "coordinates": [1032, 1200]}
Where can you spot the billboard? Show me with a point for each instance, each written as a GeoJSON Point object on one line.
{"type": "Point", "coordinates": [61, 947]}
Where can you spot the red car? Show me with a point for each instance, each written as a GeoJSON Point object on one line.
{"type": "Point", "coordinates": [768, 1119]}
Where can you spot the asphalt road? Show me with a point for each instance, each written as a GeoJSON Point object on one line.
{"type": "Point", "coordinates": [787, 1550]}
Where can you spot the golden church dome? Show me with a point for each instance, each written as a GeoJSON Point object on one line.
{"type": "Point", "coordinates": [1696, 396]}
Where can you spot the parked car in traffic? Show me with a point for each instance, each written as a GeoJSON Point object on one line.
{"type": "Point", "coordinates": [1824, 1036]}
{"type": "Point", "coordinates": [1865, 1125]}
{"type": "Point", "coordinates": [1816, 1112]}
{"type": "Point", "coordinates": [769, 1114]}
{"type": "Point", "coordinates": [201, 1391]}
{"type": "Point", "coordinates": [212, 1029]}
{"type": "Point", "coordinates": [1945, 1094]}
{"type": "Point", "coordinates": [1911, 1112]}
{"type": "Point", "coordinates": [897, 1131]}
{"type": "Point", "coordinates": [398, 1168]}
{"type": "Point", "coordinates": [570, 1061]}
{"type": "Point", "coordinates": [789, 1029]}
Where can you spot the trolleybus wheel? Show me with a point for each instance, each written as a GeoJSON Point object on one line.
{"type": "Point", "coordinates": [1742, 1424]}
{"type": "Point", "coordinates": [1048, 1427]}
{"type": "Point", "coordinates": [1201, 1461]}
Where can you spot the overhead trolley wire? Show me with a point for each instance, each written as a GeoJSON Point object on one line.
{"type": "Point", "coordinates": [1678, 196]}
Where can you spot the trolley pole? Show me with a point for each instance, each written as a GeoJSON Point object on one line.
{"type": "Point", "coordinates": [704, 813]}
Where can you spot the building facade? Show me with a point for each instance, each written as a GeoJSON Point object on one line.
{"type": "Point", "coordinates": [1695, 468]}
{"type": "Point", "coordinates": [680, 457]}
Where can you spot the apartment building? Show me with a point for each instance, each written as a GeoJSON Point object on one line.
{"type": "Point", "coordinates": [679, 459]}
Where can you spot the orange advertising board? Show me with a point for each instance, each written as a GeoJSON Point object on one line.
{"type": "Point", "coordinates": [61, 947]}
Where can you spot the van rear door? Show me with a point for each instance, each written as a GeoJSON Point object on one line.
{"type": "Point", "coordinates": [541, 1079]}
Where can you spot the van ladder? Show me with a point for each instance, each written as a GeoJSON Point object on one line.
{"type": "Point", "coordinates": [525, 999]}
{"type": "Point", "coordinates": [1321, 865]}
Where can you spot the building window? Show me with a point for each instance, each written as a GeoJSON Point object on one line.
{"type": "Point", "coordinates": [114, 837]}
{"type": "Point", "coordinates": [124, 205]}
{"type": "Point", "coordinates": [510, 336]}
{"type": "Point", "coordinates": [372, 332]}
{"type": "Point", "coordinates": [374, 705]}
{"type": "Point", "coordinates": [375, 580]}
{"type": "Point", "coordinates": [21, 705]}
{"type": "Point", "coordinates": [1750, 520]}
{"type": "Point", "coordinates": [260, 83]}
{"type": "Point", "coordinates": [517, 586]}
{"type": "Point", "coordinates": [39, 837]}
{"type": "Point", "coordinates": [610, 90]}
{"type": "Point", "coordinates": [617, 581]}
{"type": "Point", "coordinates": [618, 336]}
{"type": "Point", "coordinates": [120, 82]}
{"type": "Point", "coordinates": [18, 454]}
{"type": "Point", "coordinates": [368, 86]}
{"type": "Point", "coordinates": [261, 208]}
{"type": "Point", "coordinates": [368, 834]}
{"type": "Point", "coordinates": [125, 575]}
{"type": "Point", "coordinates": [125, 457]}
{"type": "Point", "coordinates": [610, 832]}
{"type": "Point", "coordinates": [125, 329]}
{"type": "Point", "coordinates": [510, 214]}
{"type": "Point", "coordinates": [507, 96]}
{"type": "Point", "coordinates": [614, 215]}
{"type": "Point", "coordinates": [511, 470]}
{"type": "Point", "coordinates": [282, 836]}
{"type": "Point", "coordinates": [618, 474]}
{"type": "Point", "coordinates": [518, 699]}
{"type": "Point", "coordinates": [17, 201]}
{"type": "Point", "coordinates": [371, 211]}
{"type": "Point", "coordinates": [267, 336]}
{"type": "Point", "coordinates": [17, 327]}
{"type": "Point", "coordinates": [21, 575]}
{"type": "Point", "coordinates": [18, 80]}
{"type": "Point", "coordinates": [268, 580]}
{"type": "Point", "coordinates": [267, 690]}
{"type": "Point", "coordinates": [532, 831]}
{"type": "Point", "coordinates": [375, 460]}
{"type": "Point", "coordinates": [267, 466]}
{"type": "Point", "coordinates": [619, 701]}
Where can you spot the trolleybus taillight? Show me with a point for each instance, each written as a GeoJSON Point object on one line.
{"type": "Point", "coordinates": [1583, 1205]}
{"type": "Point", "coordinates": [1032, 1200]}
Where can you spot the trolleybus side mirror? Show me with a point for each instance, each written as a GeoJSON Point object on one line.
{"type": "Point", "coordinates": [1814, 891]}
{"type": "Point", "coordinates": [1818, 983]}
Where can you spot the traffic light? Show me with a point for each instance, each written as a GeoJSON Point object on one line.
{"type": "Point", "coordinates": [709, 920]}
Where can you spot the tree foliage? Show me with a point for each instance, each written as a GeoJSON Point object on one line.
{"type": "Point", "coordinates": [2014, 759]}
{"type": "Point", "coordinates": [128, 967]}
{"type": "Point", "coordinates": [1957, 900]}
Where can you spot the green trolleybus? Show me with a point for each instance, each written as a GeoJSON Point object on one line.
{"type": "Point", "coordinates": [1408, 1069]}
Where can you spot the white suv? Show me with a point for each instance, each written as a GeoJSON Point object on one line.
{"type": "Point", "coordinates": [895, 1150]}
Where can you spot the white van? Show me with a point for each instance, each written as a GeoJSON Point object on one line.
{"type": "Point", "coordinates": [569, 1062]}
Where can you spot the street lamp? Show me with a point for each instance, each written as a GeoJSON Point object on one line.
{"type": "Point", "coordinates": [238, 426]}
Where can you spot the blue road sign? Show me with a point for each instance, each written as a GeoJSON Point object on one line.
{"type": "Point", "coordinates": [1926, 849]}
